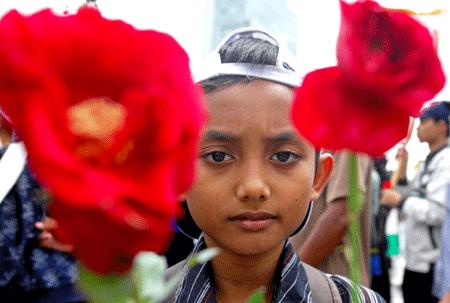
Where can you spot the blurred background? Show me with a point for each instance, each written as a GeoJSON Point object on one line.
{"type": "Point", "coordinates": [308, 28]}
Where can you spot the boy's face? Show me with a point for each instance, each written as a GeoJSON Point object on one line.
{"type": "Point", "coordinates": [255, 174]}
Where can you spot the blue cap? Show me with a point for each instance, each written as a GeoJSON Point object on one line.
{"type": "Point", "coordinates": [437, 111]}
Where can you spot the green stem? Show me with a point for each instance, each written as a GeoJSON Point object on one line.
{"type": "Point", "coordinates": [354, 208]}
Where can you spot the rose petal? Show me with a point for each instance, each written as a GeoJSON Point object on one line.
{"type": "Point", "coordinates": [108, 244]}
{"type": "Point", "coordinates": [389, 53]}
{"type": "Point", "coordinates": [341, 117]}
{"type": "Point", "coordinates": [110, 117]}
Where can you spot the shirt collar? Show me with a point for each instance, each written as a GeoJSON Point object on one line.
{"type": "Point", "coordinates": [292, 283]}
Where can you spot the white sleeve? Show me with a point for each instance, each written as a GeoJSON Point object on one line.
{"type": "Point", "coordinates": [11, 166]}
{"type": "Point", "coordinates": [431, 208]}
{"type": "Point", "coordinates": [423, 210]}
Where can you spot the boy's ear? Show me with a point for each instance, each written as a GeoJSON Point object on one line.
{"type": "Point", "coordinates": [182, 197]}
{"type": "Point", "coordinates": [324, 169]}
{"type": "Point", "coordinates": [443, 126]}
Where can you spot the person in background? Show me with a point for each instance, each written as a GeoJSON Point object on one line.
{"type": "Point", "coordinates": [323, 242]}
{"type": "Point", "coordinates": [34, 268]}
{"type": "Point", "coordinates": [380, 261]}
{"type": "Point", "coordinates": [423, 204]}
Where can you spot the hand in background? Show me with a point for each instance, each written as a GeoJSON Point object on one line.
{"type": "Point", "coordinates": [400, 172]}
{"type": "Point", "coordinates": [402, 154]}
{"type": "Point", "coordinates": [390, 197]}
{"type": "Point", "coordinates": [46, 238]}
{"type": "Point", "coordinates": [446, 298]}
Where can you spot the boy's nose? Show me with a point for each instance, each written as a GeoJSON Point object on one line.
{"type": "Point", "coordinates": [253, 187]}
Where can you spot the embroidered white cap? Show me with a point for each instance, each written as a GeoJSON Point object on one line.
{"type": "Point", "coordinates": [211, 66]}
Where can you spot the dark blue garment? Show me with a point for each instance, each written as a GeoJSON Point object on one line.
{"type": "Point", "coordinates": [26, 269]}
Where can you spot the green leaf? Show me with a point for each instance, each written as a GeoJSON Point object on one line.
{"type": "Point", "coordinates": [203, 256]}
{"type": "Point", "coordinates": [257, 296]}
{"type": "Point", "coordinates": [105, 289]}
{"type": "Point", "coordinates": [148, 277]}
{"type": "Point", "coordinates": [146, 282]}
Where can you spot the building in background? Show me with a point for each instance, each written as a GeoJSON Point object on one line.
{"type": "Point", "coordinates": [278, 17]}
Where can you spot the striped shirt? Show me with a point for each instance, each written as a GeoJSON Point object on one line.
{"type": "Point", "coordinates": [292, 286]}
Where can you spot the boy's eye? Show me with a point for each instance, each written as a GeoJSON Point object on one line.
{"type": "Point", "coordinates": [285, 157]}
{"type": "Point", "coordinates": [216, 157]}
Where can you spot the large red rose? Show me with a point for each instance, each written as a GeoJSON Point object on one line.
{"type": "Point", "coordinates": [121, 236]}
{"type": "Point", "coordinates": [110, 118]}
{"type": "Point", "coordinates": [387, 68]}
{"type": "Point", "coordinates": [389, 53]}
{"type": "Point", "coordinates": [332, 114]}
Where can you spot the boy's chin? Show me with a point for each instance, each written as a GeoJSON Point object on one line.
{"type": "Point", "coordinates": [248, 247]}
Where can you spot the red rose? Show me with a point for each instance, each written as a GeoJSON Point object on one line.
{"type": "Point", "coordinates": [121, 236]}
{"type": "Point", "coordinates": [390, 53]}
{"type": "Point", "coordinates": [387, 68]}
{"type": "Point", "coordinates": [110, 118]}
{"type": "Point", "coordinates": [332, 114]}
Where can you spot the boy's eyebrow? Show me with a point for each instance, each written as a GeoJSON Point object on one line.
{"type": "Point", "coordinates": [215, 135]}
{"type": "Point", "coordinates": [284, 137]}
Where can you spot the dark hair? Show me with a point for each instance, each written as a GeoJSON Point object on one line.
{"type": "Point", "coordinates": [243, 50]}
{"type": "Point", "coordinates": [439, 111]}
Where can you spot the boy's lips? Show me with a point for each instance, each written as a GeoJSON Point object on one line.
{"type": "Point", "coordinates": [253, 221]}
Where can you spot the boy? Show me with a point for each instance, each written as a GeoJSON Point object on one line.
{"type": "Point", "coordinates": [255, 179]}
